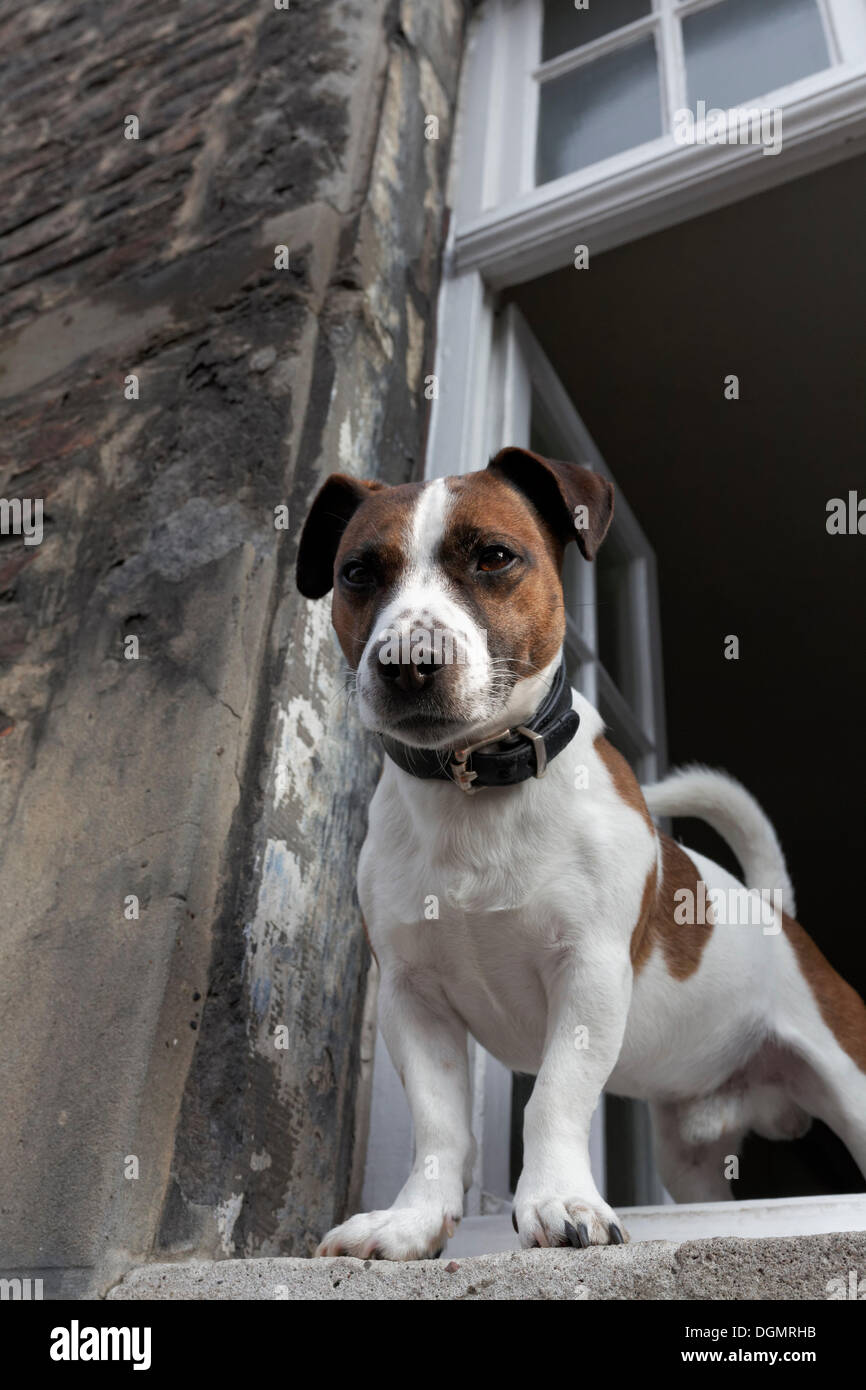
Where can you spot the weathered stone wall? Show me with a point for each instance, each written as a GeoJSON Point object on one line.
{"type": "Point", "coordinates": [216, 776]}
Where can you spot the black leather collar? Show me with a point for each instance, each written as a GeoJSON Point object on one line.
{"type": "Point", "coordinates": [512, 756]}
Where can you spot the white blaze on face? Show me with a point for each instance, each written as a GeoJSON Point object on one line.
{"type": "Point", "coordinates": [427, 526]}
{"type": "Point", "coordinates": [423, 609]}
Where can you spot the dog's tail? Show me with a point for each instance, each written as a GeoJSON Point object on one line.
{"type": "Point", "coordinates": [734, 813]}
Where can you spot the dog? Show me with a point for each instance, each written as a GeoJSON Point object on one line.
{"type": "Point", "coordinates": [562, 939]}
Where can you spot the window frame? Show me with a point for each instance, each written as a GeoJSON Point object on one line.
{"type": "Point", "coordinates": [664, 24]}
{"type": "Point", "coordinates": [511, 230]}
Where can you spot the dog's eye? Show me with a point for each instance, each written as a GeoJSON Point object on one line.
{"type": "Point", "coordinates": [357, 575]}
{"type": "Point", "coordinates": [495, 557]}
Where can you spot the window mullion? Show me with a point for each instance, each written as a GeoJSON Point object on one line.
{"type": "Point", "coordinates": [687, 7]}
{"type": "Point", "coordinates": [834, 46]}
{"type": "Point", "coordinates": [516, 115]}
{"type": "Point", "coordinates": [531, 89]}
{"type": "Point", "coordinates": [673, 63]}
{"type": "Point", "coordinates": [845, 21]}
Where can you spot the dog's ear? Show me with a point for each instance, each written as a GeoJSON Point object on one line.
{"type": "Point", "coordinates": [333, 507]}
{"type": "Point", "coordinates": [575, 502]}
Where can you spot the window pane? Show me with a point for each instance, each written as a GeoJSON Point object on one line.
{"type": "Point", "coordinates": [738, 49]}
{"type": "Point", "coordinates": [565, 27]}
{"type": "Point", "coordinates": [614, 626]}
{"type": "Point", "coordinates": [598, 110]}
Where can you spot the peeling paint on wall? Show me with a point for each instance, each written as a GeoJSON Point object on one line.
{"type": "Point", "coordinates": [226, 1215]}
{"type": "Point", "coordinates": [300, 730]}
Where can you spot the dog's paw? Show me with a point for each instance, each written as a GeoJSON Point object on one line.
{"type": "Point", "coordinates": [400, 1233]}
{"type": "Point", "coordinates": [566, 1221]}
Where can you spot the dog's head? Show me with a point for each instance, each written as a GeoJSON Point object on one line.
{"type": "Point", "coordinates": [447, 595]}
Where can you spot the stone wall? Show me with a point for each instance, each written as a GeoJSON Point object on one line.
{"type": "Point", "coordinates": [184, 1080]}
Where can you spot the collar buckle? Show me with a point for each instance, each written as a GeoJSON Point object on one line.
{"type": "Point", "coordinates": [538, 745]}
{"type": "Point", "coordinates": [462, 776]}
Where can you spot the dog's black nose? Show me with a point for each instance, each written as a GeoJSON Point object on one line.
{"type": "Point", "coordinates": [410, 676]}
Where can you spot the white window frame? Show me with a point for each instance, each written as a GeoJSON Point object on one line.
{"type": "Point", "coordinates": [510, 230]}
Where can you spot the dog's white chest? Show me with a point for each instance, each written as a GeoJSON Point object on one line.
{"type": "Point", "coordinates": [484, 898]}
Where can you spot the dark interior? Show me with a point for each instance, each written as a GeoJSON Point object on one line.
{"type": "Point", "coordinates": [733, 495]}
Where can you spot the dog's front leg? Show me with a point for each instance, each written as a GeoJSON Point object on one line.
{"type": "Point", "coordinates": [557, 1201]}
{"type": "Point", "coordinates": [427, 1043]}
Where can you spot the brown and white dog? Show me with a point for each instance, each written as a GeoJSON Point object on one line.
{"type": "Point", "coordinates": [562, 940]}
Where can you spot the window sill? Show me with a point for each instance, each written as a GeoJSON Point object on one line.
{"type": "Point", "coordinates": [782, 1216]}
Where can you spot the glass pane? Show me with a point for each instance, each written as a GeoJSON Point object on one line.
{"type": "Point", "coordinates": [598, 110]}
{"type": "Point", "coordinates": [613, 617]}
{"type": "Point", "coordinates": [566, 27]}
{"type": "Point", "coordinates": [738, 49]}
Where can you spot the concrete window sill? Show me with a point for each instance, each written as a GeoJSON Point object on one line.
{"type": "Point", "coordinates": [822, 1267]}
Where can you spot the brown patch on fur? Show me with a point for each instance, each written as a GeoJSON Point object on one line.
{"type": "Point", "coordinates": [522, 611]}
{"type": "Point", "coordinates": [841, 1007]}
{"type": "Point", "coordinates": [641, 937]}
{"type": "Point", "coordinates": [655, 924]}
{"type": "Point", "coordinates": [556, 489]}
{"type": "Point", "coordinates": [381, 523]}
{"type": "Point", "coordinates": [623, 778]}
{"type": "Point", "coordinates": [681, 943]}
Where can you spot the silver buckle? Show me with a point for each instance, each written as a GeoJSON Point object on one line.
{"type": "Point", "coordinates": [464, 778]}
{"type": "Point", "coordinates": [540, 748]}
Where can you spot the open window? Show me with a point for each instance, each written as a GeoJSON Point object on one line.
{"type": "Point", "coordinates": [571, 130]}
